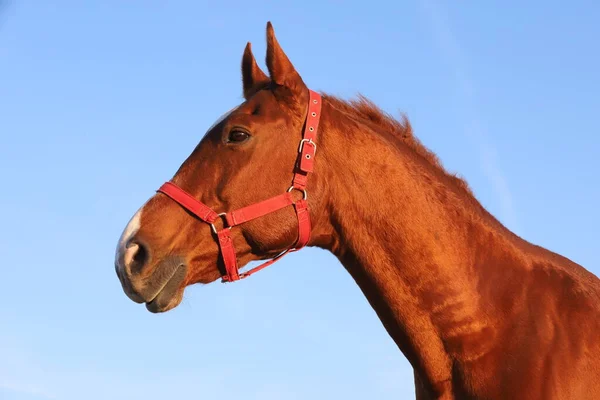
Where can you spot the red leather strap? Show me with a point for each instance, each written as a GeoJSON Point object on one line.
{"type": "Point", "coordinates": [300, 181]}
{"type": "Point", "coordinates": [311, 127]}
{"type": "Point", "coordinates": [228, 254]}
{"type": "Point", "coordinates": [260, 209]}
{"type": "Point", "coordinates": [199, 209]}
{"type": "Point", "coordinates": [308, 144]}
{"type": "Point", "coordinates": [254, 270]}
{"type": "Point", "coordinates": [303, 224]}
{"type": "Point", "coordinates": [303, 237]}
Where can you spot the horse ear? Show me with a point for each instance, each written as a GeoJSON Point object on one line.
{"type": "Point", "coordinates": [253, 77]}
{"type": "Point", "coordinates": [281, 70]}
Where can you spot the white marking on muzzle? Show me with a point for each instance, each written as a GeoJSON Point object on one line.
{"type": "Point", "coordinates": [130, 230]}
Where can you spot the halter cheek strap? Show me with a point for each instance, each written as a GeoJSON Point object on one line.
{"type": "Point", "coordinates": [306, 154]}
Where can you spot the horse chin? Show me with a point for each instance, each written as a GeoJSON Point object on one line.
{"type": "Point", "coordinates": [163, 303]}
{"type": "Point", "coordinates": [171, 294]}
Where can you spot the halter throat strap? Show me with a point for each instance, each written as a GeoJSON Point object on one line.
{"type": "Point", "coordinates": [304, 166]}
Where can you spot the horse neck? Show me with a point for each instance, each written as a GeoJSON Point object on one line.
{"type": "Point", "coordinates": [413, 242]}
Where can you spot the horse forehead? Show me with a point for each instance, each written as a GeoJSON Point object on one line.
{"type": "Point", "coordinates": [222, 117]}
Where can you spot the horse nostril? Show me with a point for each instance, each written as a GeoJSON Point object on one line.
{"type": "Point", "coordinates": [136, 257]}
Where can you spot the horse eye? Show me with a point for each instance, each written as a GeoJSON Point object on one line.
{"type": "Point", "coordinates": [238, 136]}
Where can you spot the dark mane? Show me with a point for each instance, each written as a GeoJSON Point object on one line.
{"type": "Point", "coordinates": [371, 114]}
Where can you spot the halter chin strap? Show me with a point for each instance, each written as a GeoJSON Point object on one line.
{"type": "Point", "coordinates": [306, 150]}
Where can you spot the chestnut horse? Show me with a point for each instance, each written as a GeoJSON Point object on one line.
{"type": "Point", "coordinates": [479, 312]}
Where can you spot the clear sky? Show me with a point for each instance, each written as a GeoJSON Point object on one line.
{"type": "Point", "coordinates": [100, 103]}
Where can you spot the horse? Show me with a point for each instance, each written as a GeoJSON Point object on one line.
{"type": "Point", "coordinates": [479, 312]}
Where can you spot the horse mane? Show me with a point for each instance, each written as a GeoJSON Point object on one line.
{"type": "Point", "coordinates": [401, 130]}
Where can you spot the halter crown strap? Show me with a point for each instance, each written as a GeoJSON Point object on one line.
{"type": "Point", "coordinates": [305, 165]}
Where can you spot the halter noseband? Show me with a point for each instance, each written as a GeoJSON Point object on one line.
{"type": "Point", "coordinates": [307, 149]}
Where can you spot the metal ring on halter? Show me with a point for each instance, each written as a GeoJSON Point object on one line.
{"type": "Point", "coordinates": [212, 226]}
{"type": "Point", "coordinates": [309, 141]}
{"type": "Point", "coordinates": [304, 194]}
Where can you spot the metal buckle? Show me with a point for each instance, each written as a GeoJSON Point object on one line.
{"type": "Point", "coordinates": [304, 194]}
{"type": "Point", "coordinates": [309, 141]}
{"type": "Point", "coordinates": [214, 229]}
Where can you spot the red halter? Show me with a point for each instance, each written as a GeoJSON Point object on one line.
{"type": "Point", "coordinates": [306, 150]}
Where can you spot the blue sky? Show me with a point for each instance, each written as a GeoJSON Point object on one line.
{"type": "Point", "coordinates": [100, 103]}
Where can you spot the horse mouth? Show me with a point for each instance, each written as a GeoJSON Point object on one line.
{"type": "Point", "coordinates": [163, 305]}
{"type": "Point", "coordinates": [171, 293]}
